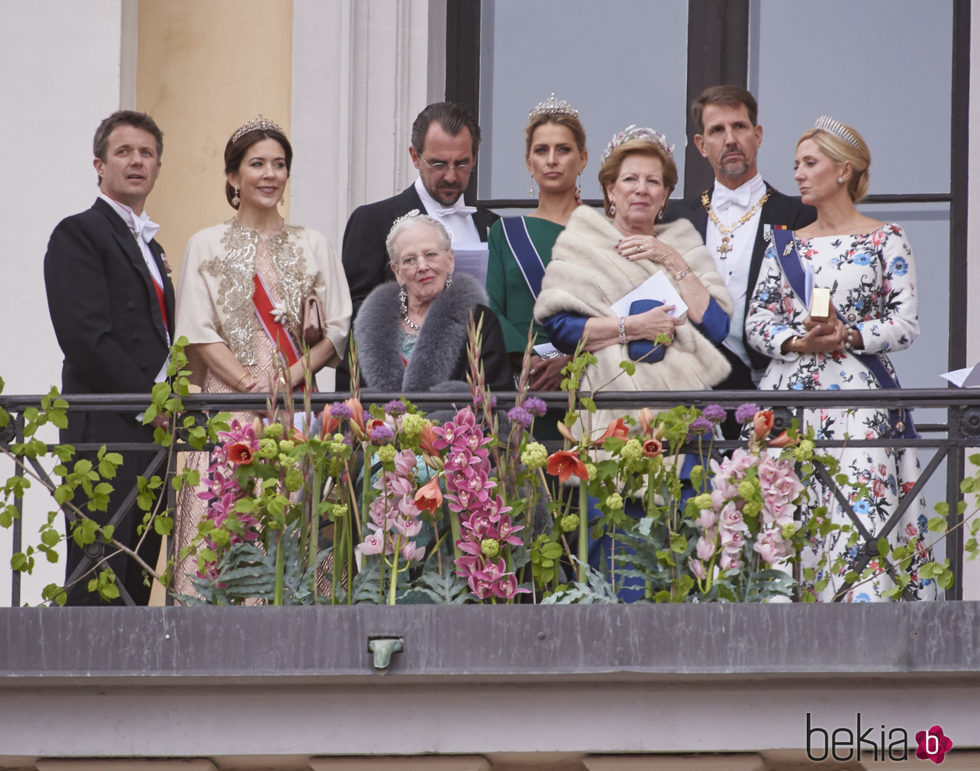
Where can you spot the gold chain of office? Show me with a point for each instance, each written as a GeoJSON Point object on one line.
{"type": "Point", "coordinates": [726, 230]}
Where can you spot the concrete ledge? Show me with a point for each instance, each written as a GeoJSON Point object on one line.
{"type": "Point", "coordinates": [474, 681]}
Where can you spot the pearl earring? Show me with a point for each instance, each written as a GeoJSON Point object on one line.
{"type": "Point", "coordinates": [840, 180]}
{"type": "Point", "coordinates": [531, 188]}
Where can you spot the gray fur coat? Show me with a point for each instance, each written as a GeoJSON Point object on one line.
{"type": "Point", "coordinates": [438, 362]}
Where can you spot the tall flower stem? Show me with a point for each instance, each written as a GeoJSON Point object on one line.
{"type": "Point", "coordinates": [280, 570]}
{"type": "Point", "coordinates": [314, 541]}
{"type": "Point", "coordinates": [583, 532]}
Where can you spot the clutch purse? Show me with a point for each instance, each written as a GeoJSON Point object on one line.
{"type": "Point", "coordinates": [312, 320]}
{"type": "Point", "coordinates": [646, 350]}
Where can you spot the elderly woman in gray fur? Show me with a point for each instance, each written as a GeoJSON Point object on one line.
{"type": "Point", "coordinates": [597, 261]}
{"type": "Point", "coordinates": [411, 335]}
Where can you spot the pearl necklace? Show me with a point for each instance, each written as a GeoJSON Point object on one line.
{"type": "Point", "coordinates": [411, 323]}
{"type": "Point", "coordinates": [726, 230]}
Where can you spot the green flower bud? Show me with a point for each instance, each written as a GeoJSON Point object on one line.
{"type": "Point", "coordinates": [294, 479]}
{"type": "Point", "coordinates": [568, 523]}
{"type": "Point", "coordinates": [386, 453]}
{"type": "Point", "coordinates": [803, 451]}
{"type": "Point", "coordinates": [591, 469]}
{"type": "Point", "coordinates": [614, 502]}
{"type": "Point", "coordinates": [702, 501]}
{"type": "Point", "coordinates": [286, 445]}
{"type": "Point", "coordinates": [268, 448]}
{"type": "Point", "coordinates": [273, 430]}
{"type": "Point", "coordinates": [632, 450]}
{"type": "Point", "coordinates": [535, 456]}
{"type": "Point", "coordinates": [490, 548]}
{"type": "Point", "coordinates": [746, 489]}
{"type": "Point", "coordinates": [789, 530]}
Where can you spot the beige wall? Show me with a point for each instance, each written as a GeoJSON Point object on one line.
{"type": "Point", "coordinates": [203, 70]}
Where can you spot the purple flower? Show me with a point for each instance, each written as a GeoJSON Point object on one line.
{"type": "Point", "coordinates": [700, 426]}
{"type": "Point", "coordinates": [341, 411]}
{"type": "Point", "coordinates": [745, 412]}
{"type": "Point", "coordinates": [381, 434]}
{"type": "Point", "coordinates": [521, 416]}
{"type": "Point", "coordinates": [715, 413]}
{"type": "Point", "coordinates": [535, 406]}
{"type": "Point", "coordinates": [396, 407]}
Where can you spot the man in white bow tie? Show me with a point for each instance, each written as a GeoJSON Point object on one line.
{"type": "Point", "coordinates": [111, 302]}
{"type": "Point", "coordinates": [445, 142]}
{"type": "Point", "coordinates": [731, 215]}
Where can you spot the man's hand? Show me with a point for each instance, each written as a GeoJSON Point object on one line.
{"type": "Point", "coordinates": [546, 373]}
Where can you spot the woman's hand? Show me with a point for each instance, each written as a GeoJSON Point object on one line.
{"type": "Point", "coordinates": [545, 374]}
{"type": "Point", "coordinates": [651, 248]}
{"type": "Point", "coordinates": [649, 324]}
{"type": "Point", "coordinates": [821, 336]}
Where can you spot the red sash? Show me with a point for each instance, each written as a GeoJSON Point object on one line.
{"type": "Point", "coordinates": [277, 332]}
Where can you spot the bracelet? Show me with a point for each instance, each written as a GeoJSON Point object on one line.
{"type": "Point", "coordinates": [238, 383]}
{"type": "Point", "coordinates": [622, 331]}
{"type": "Point", "coordinates": [792, 344]}
{"type": "Point", "coordinates": [679, 276]}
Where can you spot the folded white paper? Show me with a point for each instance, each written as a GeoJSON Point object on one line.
{"type": "Point", "coordinates": [968, 377]}
{"type": "Point", "coordinates": [657, 287]}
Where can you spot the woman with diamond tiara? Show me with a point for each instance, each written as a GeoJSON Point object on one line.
{"type": "Point", "coordinates": [243, 291]}
{"type": "Point", "coordinates": [520, 247]}
{"type": "Point", "coordinates": [597, 261]}
{"type": "Point", "coordinates": [868, 269]}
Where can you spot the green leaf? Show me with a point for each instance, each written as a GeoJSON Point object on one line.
{"type": "Point", "coordinates": [884, 547]}
{"type": "Point", "coordinates": [628, 367]}
{"type": "Point", "coordinates": [937, 524]}
{"type": "Point", "coordinates": [678, 543]}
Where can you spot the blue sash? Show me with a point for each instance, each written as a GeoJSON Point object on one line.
{"type": "Point", "coordinates": [784, 241]}
{"type": "Point", "coordinates": [528, 259]}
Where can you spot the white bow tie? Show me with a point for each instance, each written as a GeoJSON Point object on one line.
{"type": "Point", "coordinates": [724, 198]}
{"type": "Point", "coordinates": [457, 208]}
{"type": "Point", "coordinates": [145, 228]}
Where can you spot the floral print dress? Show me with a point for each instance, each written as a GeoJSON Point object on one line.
{"type": "Point", "coordinates": [872, 282]}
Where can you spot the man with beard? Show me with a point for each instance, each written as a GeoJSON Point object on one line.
{"type": "Point", "coordinates": [445, 141]}
{"type": "Point", "coordinates": [731, 216]}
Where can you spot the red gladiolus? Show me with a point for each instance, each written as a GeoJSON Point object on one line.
{"type": "Point", "coordinates": [240, 453]}
{"type": "Point", "coordinates": [563, 464]}
{"type": "Point", "coordinates": [429, 496]}
{"type": "Point", "coordinates": [616, 428]}
{"type": "Point", "coordinates": [652, 448]}
{"type": "Point", "coordinates": [356, 416]}
{"type": "Point", "coordinates": [783, 440]}
{"type": "Point", "coordinates": [762, 423]}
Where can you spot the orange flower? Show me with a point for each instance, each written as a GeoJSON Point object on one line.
{"type": "Point", "coordinates": [563, 464]}
{"type": "Point", "coordinates": [617, 428]}
{"type": "Point", "coordinates": [356, 416]}
{"type": "Point", "coordinates": [329, 424]}
{"type": "Point", "coordinates": [427, 440]}
{"type": "Point", "coordinates": [783, 440]}
{"type": "Point", "coordinates": [429, 496]}
{"type": "Point", "coordinates": [762, 423]}
{"type": "Point", "coordinates": [240, 453]}
{"type": "Point", "coordinates": [652, 448]}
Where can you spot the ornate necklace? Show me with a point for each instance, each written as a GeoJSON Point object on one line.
{"type": "Point", "coordinates": [411, 323]}
{"type": "Point", "coordinates": [726, 230]}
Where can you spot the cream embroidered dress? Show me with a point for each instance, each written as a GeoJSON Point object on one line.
{"type": "Point", "coordinates": [214, 304]}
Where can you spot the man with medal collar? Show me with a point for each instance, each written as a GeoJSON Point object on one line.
{"type": "Point", "coordinates": [445, 142]}
{"type": "Point", "coordinates": [731, 216]}
{"type": "Point", "coordinates": [111, 302]}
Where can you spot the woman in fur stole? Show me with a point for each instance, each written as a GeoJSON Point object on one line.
{"type": "Point", "coordinates": [411, 335]}
{"type": "Point", "coordinates": [596, 261]}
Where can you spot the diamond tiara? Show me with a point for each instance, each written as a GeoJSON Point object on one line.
{"type": "Point", "coordinates": [552, 106]}
{"type": "Point", "coordinates": [838, 129]}
{"type": "Point", "coordinates": [635, 132]}
{"type": "Point", "coordinates": [257, 124]}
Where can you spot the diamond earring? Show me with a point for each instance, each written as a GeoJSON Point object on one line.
{"type": "Point", "coordinates": [236, 201]}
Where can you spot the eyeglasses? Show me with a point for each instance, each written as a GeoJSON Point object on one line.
{"type": "Point", "coordinates": [441, 167]}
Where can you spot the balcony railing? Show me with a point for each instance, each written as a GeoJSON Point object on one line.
{"type": "Point", "coordinates": [948, 422]}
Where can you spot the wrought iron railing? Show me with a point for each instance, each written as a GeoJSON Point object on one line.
{"type": "Point", "coordinates": [948, 423]}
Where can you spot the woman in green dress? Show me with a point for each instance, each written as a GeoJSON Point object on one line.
{"type": "Point", "coordinates": [520, 247]}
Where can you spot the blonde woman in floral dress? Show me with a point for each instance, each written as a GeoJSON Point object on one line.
{"type": "Point", "coordinates": [869, 269]}
{"type": "Point", "coordinates": [240, 298]}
